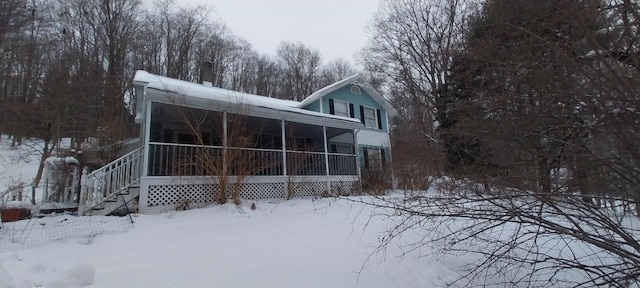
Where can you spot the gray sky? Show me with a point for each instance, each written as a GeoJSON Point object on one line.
{"type": "Point", "coordinates": [335, 27]}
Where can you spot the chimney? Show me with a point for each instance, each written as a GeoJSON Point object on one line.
{"type": "Point", "coordinates": [206, 74]}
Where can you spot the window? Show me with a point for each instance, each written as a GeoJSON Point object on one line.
{"type": "Point", "coordinates": [370, 118]}
{"type": "Point", "coordinates": [341, 108]}
{"type": "Point", "coordinates": [355, 89]}
{"type": "Point", "coordinates": [341, 149]}
{"type": "Point", "coordinates": [374, 158]}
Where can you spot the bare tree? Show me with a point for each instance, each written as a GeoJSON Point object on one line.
{"type": "Point", "coordinates": [218, 49]}
{"type": "Point", "coordinates": [411, 46]}
{"type": "Point", "coordinates": [243, 68]}
{"type": "Point", "coordinates": [335, 71]}
{"type": "Point", "coordinates": [267, 75]}
{"type": "Point", "coordinates": [537, 115]}
{"type": "Point", "coordinates": [412, 42]}
{"type": "Point", "coordinates": [230, 162]}
{"type": "Point", "coordinates": [299, 65]}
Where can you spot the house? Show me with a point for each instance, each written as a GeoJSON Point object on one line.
{"type": "Point", "coordinates": [196, 139]}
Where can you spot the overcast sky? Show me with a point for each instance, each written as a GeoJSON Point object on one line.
{"type": "Point", "coordinates": [335, 27]}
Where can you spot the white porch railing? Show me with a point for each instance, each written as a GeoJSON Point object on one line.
{"type": "Point", "coordinates": [306, 163]}
{"type": "Point", "coordinates": [171, 159]}
{"type": "Point", "coordinates": [342, 164]}
{"type": "Point", "coordinates": [111, 179]}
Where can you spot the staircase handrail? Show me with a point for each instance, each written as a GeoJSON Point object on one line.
{"type": "Point", "coordinates": [108, 180]}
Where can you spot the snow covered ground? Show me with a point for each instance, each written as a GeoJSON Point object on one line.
{"type": "Point", "coordinates": [296, 243]}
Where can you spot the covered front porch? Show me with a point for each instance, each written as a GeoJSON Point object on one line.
{"type": "Point", "coordinates": [189, 150]}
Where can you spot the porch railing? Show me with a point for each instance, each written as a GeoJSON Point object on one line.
{"type": "Point", "coordinates": [342, 164]}
{"type": "Point", "coordinates": [166, 159]}
{"type": "Point", "coordinates": [170, 159]}
{"type": "Point", "coordinates": [110, 179]}
{"type": "Point", "coordinates": [306, 163]}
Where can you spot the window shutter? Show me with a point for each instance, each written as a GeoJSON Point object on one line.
{"type": "Point", "coordinates": [366, 157]}
{"type": "Point", "coordinates": [379, 119]}
{"type": "Point", "coordinates": [351, 112]}
{"type": "Point", "coordinates": [362, 114]}
{"type": "Point", "coordinates": [331, 109]}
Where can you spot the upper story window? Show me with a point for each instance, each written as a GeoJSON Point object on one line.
{"type": "Point", "coordinates": [341, 108]}
{"type": "Point", "coordinates": [370, 118]}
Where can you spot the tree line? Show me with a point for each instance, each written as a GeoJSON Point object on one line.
{"type": "Point", "coordinates": [531, 110]}
{"type": "Point", "coordinates": [521, 93]}
{"type": "Point", "coordinates": [67, 65]}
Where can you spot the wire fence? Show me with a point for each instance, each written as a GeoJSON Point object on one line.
{"type": "Point", "coordinates": [57, 228]}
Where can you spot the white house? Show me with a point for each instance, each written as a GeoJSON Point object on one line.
{"type": "Point", "coordinates": [193, 134]}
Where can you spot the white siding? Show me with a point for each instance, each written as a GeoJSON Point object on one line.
{"type": "Point", "coordinates": [373, 138]}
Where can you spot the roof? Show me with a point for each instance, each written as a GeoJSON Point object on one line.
{"type": "Point", "coordinates": [201, 92]}
{"type": "Point", "coordinates": [353, 80]}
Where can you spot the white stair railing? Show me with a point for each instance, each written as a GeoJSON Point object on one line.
{"type": "Point", "coordinates": [106, 182]}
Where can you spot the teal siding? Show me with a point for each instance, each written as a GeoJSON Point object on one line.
{"type": "Point", "coordinates": [314, 106]}
{"type": "Point", "coordinates": [344, 94]}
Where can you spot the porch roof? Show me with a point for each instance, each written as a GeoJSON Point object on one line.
{"type": "Point", "coordinates": [179, 92]}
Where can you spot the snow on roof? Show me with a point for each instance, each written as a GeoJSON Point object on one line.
{"type": "Point", "coordinates": [191, 89]}
{"type": "Point", "coordinates": [353, 80]}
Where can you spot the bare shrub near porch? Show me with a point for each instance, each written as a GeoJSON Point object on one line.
{"type": "Point", "coordinates": [235, 163]}
{"type": "Point", "coordinates": [374, 178]}
{"type": "Point", "coordinates": [296, 162]}
{"type": "Point", "coordinates": [416, 162]}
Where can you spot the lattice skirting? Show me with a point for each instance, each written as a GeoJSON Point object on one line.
{"type": "Point", "coordinates": [307, 189]}
{"type": "Point", "coordinates": [172, 194]}
{"type": "Point", "coordinates": [169, 195]}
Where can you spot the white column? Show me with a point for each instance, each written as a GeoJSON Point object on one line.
{"type": "Point", "coordinates": [284, 149]}
{"type": "Point", "coordinates": [355, 146]}
{"type": "Point", "coordinates": [285, 179]}
{"type": "Point", "coordinates": [147, 138]}
{"type": "Point", "coordinates": [326, 157]}
{"type": "Point", "coordinates": [224, 142]}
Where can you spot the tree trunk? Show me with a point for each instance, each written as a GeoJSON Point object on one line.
{"type": "Point", "coordinates": [544, 179]}
{"type": "Point", "coordinates": [46, 152]}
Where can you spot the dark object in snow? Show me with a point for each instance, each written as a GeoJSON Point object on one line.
{"type": "Point", "coordinates": [15, 214]}
{"type": "Point", "coordinates": [253, 206]}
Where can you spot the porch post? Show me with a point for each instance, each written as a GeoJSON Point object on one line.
{"type": "Point", "coordinates": [284, 150]}
{"type": "Point", "coordinates": [326, 157]}
{"type": "Point", "coordinates": [224, 142]}
{"type": "Point", "coordinates": [355, 148]}
{"type": "Point", "coordinates": [285, 181]}
{"type": "Point", "coordinates": [147, 138]}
